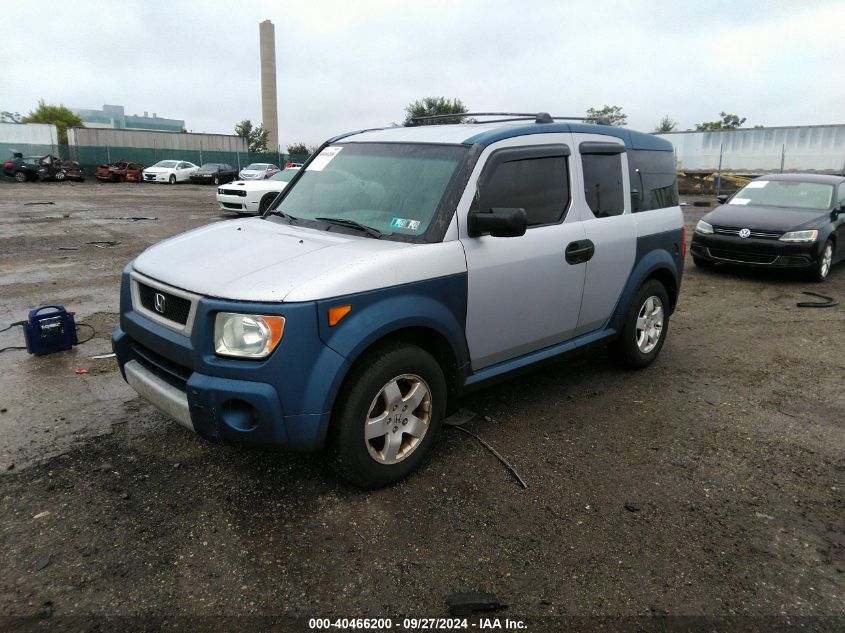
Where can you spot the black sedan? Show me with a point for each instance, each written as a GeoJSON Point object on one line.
{"type": "Point", "coordinates": [777, 221]}
{"type": "Point", "coordinates": [214, 174]}
{"type": "Point", "coordinates": [23, 168]}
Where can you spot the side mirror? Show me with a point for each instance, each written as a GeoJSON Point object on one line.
{"type": "Point", "coordinates": [497, 222]}
{"type": "Point", "coordinates": [722, 199]}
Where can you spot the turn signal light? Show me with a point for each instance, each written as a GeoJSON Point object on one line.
{"type": "Point", "coordinates": [337, 313]}
{"type": "Point", "coordinates": [683, 242]}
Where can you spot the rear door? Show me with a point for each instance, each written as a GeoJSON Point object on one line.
{"type": "Point", "coordinates": [523, 295]}
{"type": "Point", "coordinates": [609, 225]}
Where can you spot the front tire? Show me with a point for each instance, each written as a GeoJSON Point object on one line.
{"type": "Point", "coordinates": [265, 202]}
{"type": "Point", "coordinates": [821, 270]}
{"type": "Point", "coordinates": [646, 326]}
{"type": "Point", "coordinates": [216, 181]}
{"type": "Point", "coordinates": [172, 179]}
{"type": "Point", "coordinates": [388, 415]}
{"type": "Point", "coordinates": [60, 175]}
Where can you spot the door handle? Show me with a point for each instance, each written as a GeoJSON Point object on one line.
{"type": "Point", "coordinates": [580, 251]}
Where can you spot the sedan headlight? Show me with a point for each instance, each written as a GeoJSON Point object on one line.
{"type": "Point", "coordinates": [800, 236]}
{"type": "Point", "coordinates": [247, 335]}
{"type": "Point", "coordinates": [703, 227]}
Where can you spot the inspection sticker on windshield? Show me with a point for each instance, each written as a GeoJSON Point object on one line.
{"type": "Point", "coordinates": [402, 223]}
{"type": "Point", "coordinates": [757, 184]}
{"type": "Point", "coordinates": [323, 158]}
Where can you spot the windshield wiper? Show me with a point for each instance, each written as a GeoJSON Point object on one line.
{"type": "Point", "coordinates": [352, 224]}
{"type": "Point", "coordinates": [282, 214]}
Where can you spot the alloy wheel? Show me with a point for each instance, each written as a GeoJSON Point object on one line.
{"type": "Point", "coordinates": [398, 419]}
{"type": "Point", "coordinates": [649, 324]}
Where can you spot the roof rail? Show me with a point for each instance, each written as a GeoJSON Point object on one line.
{"type": "Point", "coordinates": [539, 117]}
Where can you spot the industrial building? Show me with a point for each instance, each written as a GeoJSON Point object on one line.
{"type": "Point", "coordinates": [754, 151]}
{"type": "Point", "coordinates": [114, 117]}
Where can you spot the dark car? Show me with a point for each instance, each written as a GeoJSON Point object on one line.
{"type": "Point", "coordinates": [23, 168]}
{"type": "Point", "coordinates": [69, 170]}
{"type": "Point", "coordinates": [214, 174]}
{"type": "Point", "coordinates": [777, 221]}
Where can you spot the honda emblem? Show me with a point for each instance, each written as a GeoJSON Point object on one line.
{"type": "Point", "coordinates": [160, 302]}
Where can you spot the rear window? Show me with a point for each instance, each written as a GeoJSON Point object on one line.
{"type": "Point", "coordinates": [653, 180]}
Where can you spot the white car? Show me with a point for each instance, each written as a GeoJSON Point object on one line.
{"type": "Point", "coordinates": [255, 196]}
{"type": "Point", "coordinates": [258, 171]}
{"type": "Point", "coordinates": [170, 171]}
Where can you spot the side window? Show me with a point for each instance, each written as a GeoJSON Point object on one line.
{"type": "Point", "coordinates": [653, 177]}
{"type": "Point", "coordinates": [842, 195]}
{"type": "Point", "coordinates": [538, 184]}
{"type": "Point", "coordinates": [603, 184]}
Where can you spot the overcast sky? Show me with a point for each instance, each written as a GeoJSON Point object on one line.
{"type": "Point", "coordinates": [351, 65]}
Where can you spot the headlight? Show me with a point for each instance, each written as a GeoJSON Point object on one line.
{"type": "Point", "coordinates": [703, 227]}
{"type": "Point", "coordinates": [800, 236]}
{"type": "Point", "coordinates": [247, 335]}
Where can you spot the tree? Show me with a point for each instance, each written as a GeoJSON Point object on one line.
{"type": "Point", "coordinates": [10, 117]}
{"type": "Point", "coordinates": [300, 149]}
{"type": "Point", "coordinates": [613, 115]}
{"type": "Point", "coordinates": [667, 124]}
{"type": "Point", "coordinates": [256, 137]}
{"type": "Point", "coordinates": [431, 106]}
{"type": "Point", "coordinates": [728, 122]}
{"type": "Point", "coordinates": [58, 115]}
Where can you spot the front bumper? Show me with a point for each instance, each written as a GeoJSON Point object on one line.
{"type": "Point", "coordinates": [283, 401]}
{"type": "Point", "coordinates": [767, 253]}
{"type": "Point", "coordinates": [156, 177]}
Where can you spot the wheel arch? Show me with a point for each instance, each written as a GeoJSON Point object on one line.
{"type": "Point", "coordinates": [658, 265]}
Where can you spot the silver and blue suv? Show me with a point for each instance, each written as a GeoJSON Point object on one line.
{"type": "Point", "coordinates": [400, 268]}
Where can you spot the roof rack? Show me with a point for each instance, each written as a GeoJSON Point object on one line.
{"type": "Point", "coordinates": [539, 117]}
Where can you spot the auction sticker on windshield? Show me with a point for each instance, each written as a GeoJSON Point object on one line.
{"type": "Point", "coordinates": [323, 158]}
{"type": "Point", "coordinates": [402, 223]}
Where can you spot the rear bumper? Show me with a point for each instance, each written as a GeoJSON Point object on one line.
{"type": "Point", "coordinates": [764, 253]}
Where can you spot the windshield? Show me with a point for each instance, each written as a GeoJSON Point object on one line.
{"type": "Point", "coordinates": [785, 193]}
{"type": "Point", "coordinates": [209, 167]}
{"type": "Point", "coordinates": [391, 187]}
{"type": "Point", "coordinates": [166, 163]}
{"type": "Point", "coordinates": [257, 166]}
{"type": "Point", "coordinates": [284, 176]}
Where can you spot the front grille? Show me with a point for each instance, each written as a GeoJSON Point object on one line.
{"type": "Point", "coordinates": [233, 192]}
{"type": "Point", "coordinates": [730, 230]}
{"type": "Point", "coordinates": [741, 256]}
{"type": "Point", "coordinates": [175, 308]}
{"type": "Point", "coordinates": [229, 205]}
{"type": "Point", "coordinates": [174, 373]}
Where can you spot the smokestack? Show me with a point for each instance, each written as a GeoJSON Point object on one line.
{"type": "Point", "coordinates": [269, 108]}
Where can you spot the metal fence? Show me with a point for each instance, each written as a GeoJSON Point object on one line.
{"type": "Point", "coordinates": [90, 157]}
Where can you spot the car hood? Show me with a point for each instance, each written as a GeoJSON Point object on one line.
{"type": "Point", "coordinates": [268, 260]}
{"type": "Point", "coordinates": [257, 185]}
{"type": "Point", "coordinates": [158, 170]}
{"type": "Point", "coordinates": [765, 217]}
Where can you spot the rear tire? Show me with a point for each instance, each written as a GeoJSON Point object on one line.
{"type": "Point", "coordinates": [646, 326]}
{"type": "Point", "coordinates": [387, 416]}
{"type": "Point", "coordinates": [703, 263]}
{"type": "Point", "coordinates": [60, 175]}
{"type": "Point", "coordinates": [21, 176]}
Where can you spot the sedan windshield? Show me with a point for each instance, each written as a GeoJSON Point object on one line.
{"type": "Point", "coordinates": [785, 193]}
{"type": "Point", "coordinates": [209, 167]}
{"type": "Point", "coordinates": [390, 187]}
{"type": "Point", "coordinates": [284, 176]}
{"type": "Point", "coordinates": [169, 164]}
{"type": "Point", "coordinates": [257, 167]}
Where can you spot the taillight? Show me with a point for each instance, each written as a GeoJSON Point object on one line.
{"type": "Point", "coordinates": [8, 164]}
{"type": "Point", "coordinates": [683, 242]}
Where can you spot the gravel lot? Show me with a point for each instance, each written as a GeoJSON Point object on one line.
{"type": "Point", "coordinates": [710, 484]}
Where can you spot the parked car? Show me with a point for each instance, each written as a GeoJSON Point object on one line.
{"type": "Point", "coordinates": [69, 170]}
{"type": "Point", "coordinates": [253, 197]}
{"type": "Point", "coordinates": [214, 173]}
{"type": "Point", "coordinates": [120, 171]}
{"type": "Point", "coordinates": [170, 171]}
{"type": "Point", "coordinates": [777, 221]}
{"type": "Point", "coordinates": [258, 171]}
{"type": "Point", "coordinates": [400, 268]}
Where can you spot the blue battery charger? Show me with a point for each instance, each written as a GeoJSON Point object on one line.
{"type": "Point", "coordinates": [48, 332]}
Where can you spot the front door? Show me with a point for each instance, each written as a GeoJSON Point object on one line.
{"type": "Point", "coordinates": [523, 293]}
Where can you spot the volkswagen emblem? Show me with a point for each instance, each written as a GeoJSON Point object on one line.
{"type": "Point", "coordinates": [743, 233]}
{"type": "Point", "coordinates": [160, 302]}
